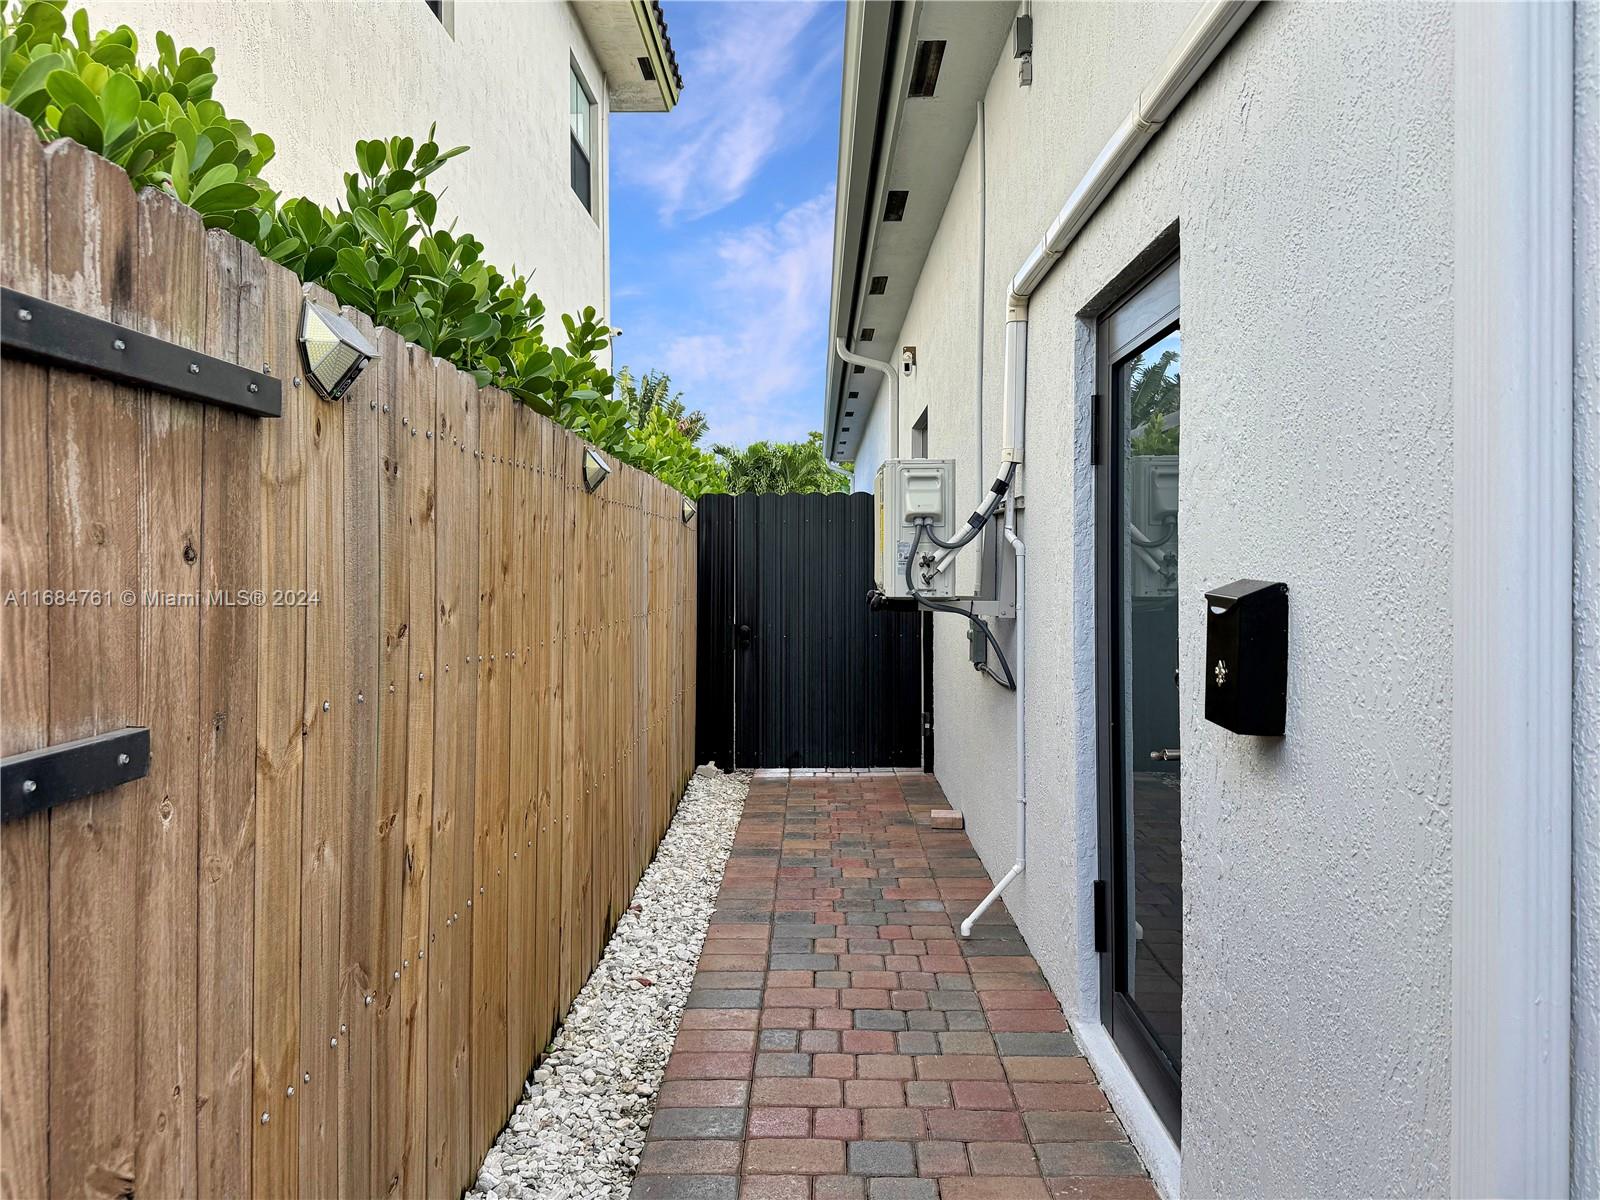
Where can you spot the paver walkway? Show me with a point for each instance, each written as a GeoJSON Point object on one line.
{"type": "Point", "coordinates": [843, 1043]}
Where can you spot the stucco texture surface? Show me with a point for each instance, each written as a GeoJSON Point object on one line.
{"type": "Point", "coordinates": [318, 76]}
{"type": "Point", "coordinates": [1309, 177]}
{"type": "Point", "coordinates": [1586, 614]}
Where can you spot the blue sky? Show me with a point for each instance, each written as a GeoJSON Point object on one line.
{"type": "Point", "coordinates": [722, 216]}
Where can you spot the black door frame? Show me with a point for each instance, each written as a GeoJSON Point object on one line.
{"type": "Point", "coordinates": [1160, 1081]}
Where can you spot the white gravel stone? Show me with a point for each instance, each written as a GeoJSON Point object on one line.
{"type": "Point", "coordinates": [579, 1130]}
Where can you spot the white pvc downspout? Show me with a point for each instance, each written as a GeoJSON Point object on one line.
{"type": "Point", "coordinates": [1199, 46]}
{"type": "Point", "coordinates": [860, 360]}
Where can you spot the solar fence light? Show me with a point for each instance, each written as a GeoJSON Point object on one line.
{"type": "Point", "coordinates": [688, 510]}
{"type": "Point", "coordinates": [595, 470]}
{"type": "Point", "coordinates": [335, 351]}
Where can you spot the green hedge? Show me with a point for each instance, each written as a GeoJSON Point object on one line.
{"type": "Point", "coordinates": [379, 250]}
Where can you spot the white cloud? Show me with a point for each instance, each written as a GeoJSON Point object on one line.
{"type": "Point", "coordinates": [746, 96]}
{"type": "Point", "coordinates": [754, 368]}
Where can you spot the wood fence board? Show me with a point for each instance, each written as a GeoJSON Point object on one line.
{"type": "Point", "coordinates": [322, 848]}
{"type": "Point", "coordinates": [229, 560]}
{"type": "Point", "coordinates": [25, 700]}
{"type": "Point", "coordinates": [364, 412]}
{"type": "Point", "coordinates": [548, 843]}
{"type": "Point", "coordinates": [521, 921]}
{"type": "Point", "coordinates": [170, 295]}
{"type": "Point", "coordinates": [393, 697]}
{"type": "Point", "coordinates": [455, 732]}
{"type": "Point", "coordinates": [420, 552]}
{"type": "Point", "coordinates": [281, 730]}
{"type": "Point", "coordinates": [95, 499]}
{"type": "Point", "coordinates": [487, 897]}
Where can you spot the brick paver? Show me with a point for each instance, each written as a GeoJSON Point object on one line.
{"type": "Point", "coordinates": [842, 1041]}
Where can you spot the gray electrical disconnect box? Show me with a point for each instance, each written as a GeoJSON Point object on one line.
{"type": "Point", "coordinates": [907, 491]}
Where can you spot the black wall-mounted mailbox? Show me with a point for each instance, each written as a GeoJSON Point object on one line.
{"type": "Point", "coordinates": [1247, 656]}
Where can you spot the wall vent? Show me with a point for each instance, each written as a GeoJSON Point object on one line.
{"type": "Point", "coordinates": [894, 206]}
{"type": "Point", "coordinates": [878, 285]}
{"type": "Point", "coordinates": [925, 68]}
{"type": "Point", "coordinates": [857, 369]}
{"type": "Point", "coordinates": [647, 70]}
{"type": "Point", "coordinates": [866, 334]}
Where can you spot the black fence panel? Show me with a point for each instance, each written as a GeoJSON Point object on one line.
{"type": "Point", "coordinates": [713, 732]}
{"type": "Point", "coordinates": [795, 669]}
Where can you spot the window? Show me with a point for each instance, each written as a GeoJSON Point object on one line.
{"type": "Point", "coordinates": [581, 118]}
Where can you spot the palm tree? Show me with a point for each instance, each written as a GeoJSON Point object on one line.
{"type": "Point", "coordinates": [782, 467]}
{"type": "Point", "coordinates": [1152, 399]}
{"type": "Point", "coordinates": [653, 390]}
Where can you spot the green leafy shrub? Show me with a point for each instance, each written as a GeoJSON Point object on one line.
{"type": "Point", "coordinates": [379, 250]}
{"type": "Point", "coordinates": [783, 467]}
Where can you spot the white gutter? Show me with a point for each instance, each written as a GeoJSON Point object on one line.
{"type": "Point", "coordinates": [1202, 41]}
{"type": "Point", "coordinates": [859, 360]}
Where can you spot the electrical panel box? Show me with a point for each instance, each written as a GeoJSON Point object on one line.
{"type": "Point", "coordinates": [905, 492]}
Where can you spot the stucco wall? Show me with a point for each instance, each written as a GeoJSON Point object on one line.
{"type": "Point", "coordinates": [1309, 176]}
{"type": "Point", "coordinates": [317, 76]}
{"type": "Point", "coordinates": [1586, 616]}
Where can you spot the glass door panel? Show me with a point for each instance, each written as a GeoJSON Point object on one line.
{"type": "Point", "coordinates": [1136, 501]}
{"type": "Point", "coordinates": [1147, 388]}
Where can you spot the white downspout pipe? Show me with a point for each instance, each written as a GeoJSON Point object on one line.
{"type": "Point", "coordinates": [1021, 673]}
{"type": "Point", "coordinates": [860, 360]}
{"type": "Point", "coordinates": [1202, 41]}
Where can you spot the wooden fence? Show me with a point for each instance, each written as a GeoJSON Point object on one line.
{"type": "Point", "coordinates": [387, 830]}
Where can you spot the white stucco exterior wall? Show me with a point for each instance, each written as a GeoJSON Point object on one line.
{"type": "Point", "coordinates": [1309, 177]}
{"type": "Point", "coordinates": [316, 76]}
{"type": "Point", "coordinates": [1586, 612]}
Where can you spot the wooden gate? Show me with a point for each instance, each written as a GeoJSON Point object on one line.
{"type": "Point", "coordinates": [795, 669]}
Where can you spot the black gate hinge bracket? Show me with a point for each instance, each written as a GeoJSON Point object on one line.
{"type": "Point", "coordinates": [39, 779]}
{"type": "Point", "coordinates": [1102, 919]}
{"type": "Point", "coordinates": [55, 336]}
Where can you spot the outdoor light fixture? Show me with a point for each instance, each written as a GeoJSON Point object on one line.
{"type": "Point", "coordinates": [688, 510]}
{"type": "Point", "coordinates": [595, 470]}
{"type": "Point", "coordinates": [335, 351]}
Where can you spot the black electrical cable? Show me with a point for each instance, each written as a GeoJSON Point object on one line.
{"type": "Point", "coordinates": [1009, 681]}
{"type": "Point", "coordinates": [980, 517]}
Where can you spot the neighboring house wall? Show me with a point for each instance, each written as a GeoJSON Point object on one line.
{"type": "Point", "coordinates": [317, 76]}
{"type": "Point", "coordinates": [1310, 178]}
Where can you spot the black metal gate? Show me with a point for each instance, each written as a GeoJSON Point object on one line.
{"type": "Point", "coordinates": [794, 669]}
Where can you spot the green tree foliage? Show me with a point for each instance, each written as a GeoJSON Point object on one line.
{"type": "Point", "coordinates": [379, 249]}
{"type": "Point", "coordinates": [1153, 389]}
{"type": "Point", "coordinates": [783, 467]}
{"type": "Point", "coordinates": [653, 390]}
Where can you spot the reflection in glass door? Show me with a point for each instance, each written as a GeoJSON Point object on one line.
{"type": "Point", "coordinates": [1141, 760]}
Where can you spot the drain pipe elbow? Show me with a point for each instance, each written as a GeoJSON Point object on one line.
{"type": "Point", "coordinates": [1020, 549]}
{"type": "Point", "coordinates": [893, 376]}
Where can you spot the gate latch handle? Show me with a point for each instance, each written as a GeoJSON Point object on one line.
{"type": "Point", "coordinates": [741, 637]}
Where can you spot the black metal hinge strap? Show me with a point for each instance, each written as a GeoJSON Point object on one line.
{"type": "Point", "coordinates": [41, 779]}
{"type": "Point", "coordinates": [48, 333]}
{"type": "Point", "coordinates": [1102, 919]}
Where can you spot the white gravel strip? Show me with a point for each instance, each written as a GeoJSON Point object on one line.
{"type": "Point", "coordinates": [580, 1128]}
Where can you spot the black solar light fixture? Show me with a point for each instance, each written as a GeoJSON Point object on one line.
{"type": "Point", "coordinates": [595, 470]}
{"type": "Point", "coordinates": [335, 351]}
{"type": "Point", "coordinates": [688, 510]}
